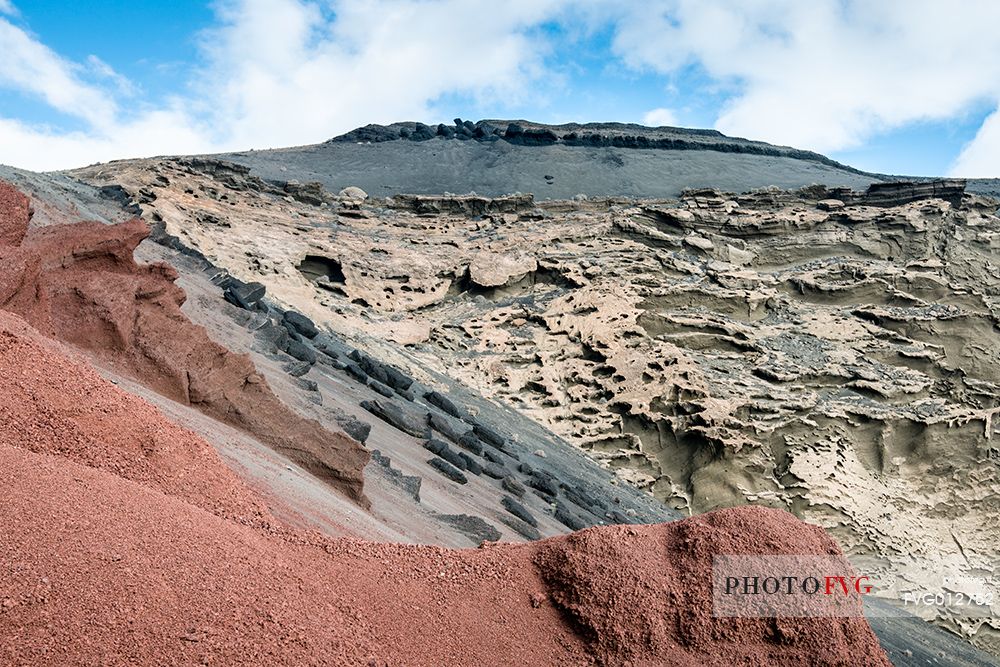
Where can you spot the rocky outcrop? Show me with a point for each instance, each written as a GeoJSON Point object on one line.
{"type": "Point", "coordinates": [79, 283]}
{"type": "Point", "coordinates": [607, 135]}
{"type": "Point", "coordinates": [897, 193]}
{"type": "Point", "coordinates": [469, 205]}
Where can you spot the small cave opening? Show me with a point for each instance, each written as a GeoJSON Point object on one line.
{"type": "Point", "coordinates": [322, 269]}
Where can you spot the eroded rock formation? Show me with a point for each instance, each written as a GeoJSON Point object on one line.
{"type": "Point", "coordinates": [827, 352]}
{"type": "Point", "coordinates": [80, 284]}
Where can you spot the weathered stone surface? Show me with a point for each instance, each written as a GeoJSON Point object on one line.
{"type": "Point", "coordinates": [448, 470]}
{"type": "Point", "coordinates": [409, 483]}
{"type": "Point", "coordinates": [301, 351]}
{"type": "Point", "coordinates": [518, 510]}
{"type": "Point", "coordinates": [244, 295]}
{"type": "Point", "coordinates": [406, 420]}
{"type": "Point", "coordinates": [513, 487]}
{"type": "Point", "coordinates": [441, 401]}
{"type": "Point", "coordinates": [450, 428]}
{"type": "Point", "coordinates": [301, 324]}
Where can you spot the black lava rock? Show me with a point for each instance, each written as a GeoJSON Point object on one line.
{"type": "Point", "coordinates": [405, 420]}
{"type": "Point", "coordinates": [380, 388]}
{"type": "Point", "coordinates": [567, 518]}
{"type": "Point", "coordinates": [544, 483]}
{"type": "Point", "coordinates": [451, 429]}
{"type": "Point", "coordinates": [470, 442]}
{"type": "Point", "coordinates": [448, 470]}
{"type": "Point", "coordinates": [357, 372]}
{"type": "Point", "coordinates": [422, 133]}
{"type": "Point", "coordinates": [518, 510]}
{"type": "Point", "coordinates": [471, 464]}
{"type": "Point", "coordinates": [441, 401]}
{"type": "Point", "coordinates": [486, 434]}
{"type": "Point", "coordinates": [522, 528]}
{"type": "Point", "coordinates": [273, 338]}
{"type": "Point", "coordinates": [296, 368]}
{"type": "Point", "coordinates": [354, 427]}
{"type": "Point", "coordinates": [435, 446]}
{"type": "Point", "coordinates": [492, 456]}
{"type": "Point", "coordinates": [301, 324]}
{"type": "Point", "coordinates": [512, 486]}
{"type": "Point", "coordinates": [473, 527]}
{"type": "Point", "coordinates": [244, 295]}
{"type": "Point", "coordinates": [301, 351]}
{"type": "Point", "coordinates": [495, 471]}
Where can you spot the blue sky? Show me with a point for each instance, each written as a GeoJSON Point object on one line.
{"type": "Point", "coordinates": [896, 87]}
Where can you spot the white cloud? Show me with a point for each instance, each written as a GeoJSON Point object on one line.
{"type": "Point", "coordinates": [283, 73]}
{"type": "Point", "coordinates": [660, 117]}
{"type": "Point", "coordinates": [105, 71]}
{"type": "Point", "coordinates": [981, 157]}
{"type": "Point", "coordinates": [6, 7]}
{"type": "Point", "coordinates": [824, 74]}
{"type": "Point", "coordinates": [31, 67]}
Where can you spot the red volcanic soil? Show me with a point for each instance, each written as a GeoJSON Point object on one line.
{"type": "Point", "coordinates": [124, 539]}
{"type": "Point", "coordinates": [127, 541]}
{"type": "Point", "coordinates": [79, 283]}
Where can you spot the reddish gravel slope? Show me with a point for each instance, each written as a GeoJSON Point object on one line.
{"type": "Point", "coordinates": [79, 283]}
{"type": "Point", "coordinates": [127, 541]}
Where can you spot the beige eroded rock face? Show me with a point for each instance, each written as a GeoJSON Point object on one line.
{"type": "Point", "coordinates": [842, 362]}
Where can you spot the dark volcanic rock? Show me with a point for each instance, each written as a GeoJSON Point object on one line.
{"type": "Point", "coordinates": [448, 470]}
{"type": "Point", "coordinates": [397, 379]}
{"type": "Point", "coordinates": [471, 205]}
{"type": "Point", "coordinates": [567, 518]}
{"type": "Point", "coordinates": [273, 338]}
{"type": "Point", "coordinates": [435, 446]}
{"type": "Point", "coordinates": [244, 295]}
{"type": "Point", "coordinates": [422, 133]}
{"type": "Point", "coordinates": [404, 419]}
{"type": "Point", "coordinates": [490, 455]}
{"type": "Point", "coordinates": [301, 351]}
{"type": "Point", "coordinates": [489, 435]}
{"type": "Point", "coordinates": [448, 427]}
{"type": "Point", "coordinates": [518, 510]}
{"type": "Point", "coordinates": [380, 388]}
{"type": "Point", "coordinates": [441, 401]}
{"type": "Point", "coordinates": [371, 367]}
{"type": "Point", "coordinates": [445, 452]}
{"type": "Point", "coordinates": [297, 368]}
{"type": "Point", "coordinates": [545, 483]}
{"type": "Point", "coordinates": [301, 324]}
{"type": "Point", "coordinates": [470, 442]}
{"type": "Point", "coordinates": [525, 530]}
{"type": "Point", "coordinates": [354, 427]}
{"type": "Point", "coordinates": [898, 193]}
{"type": "Point", "coordinates": [474, 527]}
{"type": "Point", "coordinates": [511, 485]}
{"type": "Point", "coordinates": [494, 470]}
{"type": "Point", "coordinates": [471, 464]}
{"type": "Point", "coordinates": [409, 483]}
{"type": "Point", "coordinates": [357, 373]}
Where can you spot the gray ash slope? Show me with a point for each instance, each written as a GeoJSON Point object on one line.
{"type": "Point", "coordinates": [496, 157]}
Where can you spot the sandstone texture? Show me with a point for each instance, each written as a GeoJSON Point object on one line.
{"type": "Point", "coordinates": [827, 351]}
